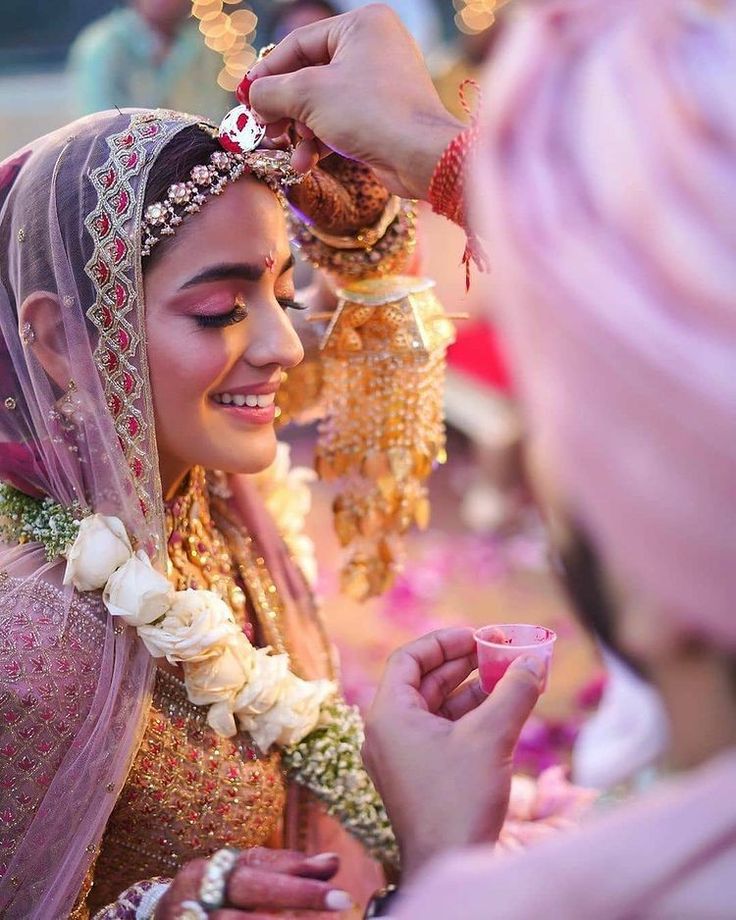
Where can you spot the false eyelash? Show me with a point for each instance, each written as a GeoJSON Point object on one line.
{"type": "Point", "coordinates": [220, 320]}
{"type": "Point", "coordinates": [289, 304]}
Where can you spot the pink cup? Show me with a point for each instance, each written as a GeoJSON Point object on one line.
{"type": "Point", "coordinates": [499, 645]}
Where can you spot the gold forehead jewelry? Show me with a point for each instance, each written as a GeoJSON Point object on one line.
{"type": "Point", "coordinates": [273, 167]}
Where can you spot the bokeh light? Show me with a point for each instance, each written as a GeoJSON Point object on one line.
{"type": "Point", "coordinates": [228, 81]}
{"type": "Point", "coordinates": [203, 8]}
{"type": "Point", "coordinates": [474, 16]}
{"type": "Point", "coordinates": [228, 34]}
{"type": "Point", "coordinates": [244, 21]}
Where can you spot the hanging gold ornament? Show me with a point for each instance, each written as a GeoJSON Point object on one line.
{"type": "Point", "coordinates": [383, 430]}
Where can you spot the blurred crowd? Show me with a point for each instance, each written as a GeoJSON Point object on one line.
{"type": "Point", "coordinates": [161, 53]}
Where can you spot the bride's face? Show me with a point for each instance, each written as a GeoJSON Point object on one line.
{"type": "Point", "coordinates": [218, 333]}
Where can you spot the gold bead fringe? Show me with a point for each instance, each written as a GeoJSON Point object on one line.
{"type": "Point", "coordinates": [383, 431]}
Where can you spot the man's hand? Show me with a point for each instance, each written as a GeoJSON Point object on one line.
{"type": "Point", "coordinates": [439, 750]}
{"type": "Point", "coordinates": [357, 84]}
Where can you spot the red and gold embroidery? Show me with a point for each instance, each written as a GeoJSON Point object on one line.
{"type": "Point", "coordinates": [114, 269]}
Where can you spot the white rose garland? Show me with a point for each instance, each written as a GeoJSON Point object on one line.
{"type": "Point", "coordinates": [243, 686]}
{"type": "Point", "coordinates": [196, 629]}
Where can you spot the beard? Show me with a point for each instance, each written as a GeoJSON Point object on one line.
{"type": "Point", "coordinates": [581, 572]}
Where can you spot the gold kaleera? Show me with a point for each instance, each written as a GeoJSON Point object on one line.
{"type": "Point", "coordinates": [383, 428]}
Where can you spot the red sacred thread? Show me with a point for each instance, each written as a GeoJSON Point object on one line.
{"type": "Point", "coordinates": [447, 186]}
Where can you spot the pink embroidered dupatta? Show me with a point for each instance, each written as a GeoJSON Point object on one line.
{"type": "Point", "coordinates": [74, 691]}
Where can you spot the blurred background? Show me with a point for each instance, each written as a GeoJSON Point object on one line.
{"type": "Point", "coordinates": [59, 59]}
{"type": "Point", "coordinates": [484, 557]}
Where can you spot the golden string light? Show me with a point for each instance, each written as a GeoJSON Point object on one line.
{"type": "Point", "coordinates": [229, 34]}
{"type": "Point", "coordinates": [473, 16]}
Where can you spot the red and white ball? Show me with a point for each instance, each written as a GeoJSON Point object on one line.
{"type": "Point", "coordinates": [240, 130]}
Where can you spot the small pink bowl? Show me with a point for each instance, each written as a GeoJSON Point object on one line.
{"type": "Point", "coordinates": [499, 645]}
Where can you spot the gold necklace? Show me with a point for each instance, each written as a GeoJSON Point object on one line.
{"type": "Point", "coordinates": [199, 556]}
{"type": "Point", "coordinates": [254, 574]}
{"type": "Point", "coordinates": [221, 557]}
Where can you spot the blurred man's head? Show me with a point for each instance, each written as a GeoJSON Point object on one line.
{"type": "Point", "coordinates": [165, 16]}
{"type": "Point", "coordinates": [297, 13]}
{"type": "Point", "coordinates": [608, 208]}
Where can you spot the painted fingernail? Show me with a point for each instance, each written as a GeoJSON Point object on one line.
{"type": "Point", "coordinates": [322, 858]}
{"type": "Point", "coordinates": [338, 900]}
{"type": "Point", "coordinates": [243, 91]}
{"type": "Point", "coordinates": [535, 666]}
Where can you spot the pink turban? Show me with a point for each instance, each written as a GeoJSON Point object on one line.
{"type": "Point", "coordinates": [606, 191]}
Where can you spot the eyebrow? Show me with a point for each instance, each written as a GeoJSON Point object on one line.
{"type": "Point", "coordinates": [241, 271]}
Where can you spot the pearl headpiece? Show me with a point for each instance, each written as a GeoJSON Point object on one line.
{"type": "Point", "coordinates": [163, 217]}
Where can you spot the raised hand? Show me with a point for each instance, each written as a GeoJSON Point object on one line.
{"type": "Point", "coordinates": [439, 751]}
{"type": "Point", "coordinates": [357, 84]}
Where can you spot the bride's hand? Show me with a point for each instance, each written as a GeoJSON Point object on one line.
{"type": "Point", "coordinates": [264, 883]}
{"type": "Point", "coordinates": [340, 196]}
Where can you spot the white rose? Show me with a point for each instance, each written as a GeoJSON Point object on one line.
{"type": "Point", "coordinates": [137, 593]}
{"type": "Point", "coordinates": [295, 714]}
{"type": "Point", "coordinates": [101, 546]}
{"type": "Point", "coordinates": [290, 502]}
{"type": "Point", "coordinates": [221, 720]}
{"type": "Point", "coordinates": [268, 674]}
{"type": "Point", "coordinates": [198, 625]}
{"type": "Point", "coordinates": [299, 481]}
{"type": "Point", "coordinates": [219, 677]}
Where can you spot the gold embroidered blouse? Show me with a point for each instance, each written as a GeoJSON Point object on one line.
{"type": "Point", "coordinates": [191, 791]}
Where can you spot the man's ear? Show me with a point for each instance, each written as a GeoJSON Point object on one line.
{"type": "Point", "coordinates": [40, 323]}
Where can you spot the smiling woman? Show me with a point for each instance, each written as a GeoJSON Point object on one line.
{"type": "Point", "coordinates": [219, 336]}
{"type": "Point", "coordinates": [146, 285]}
